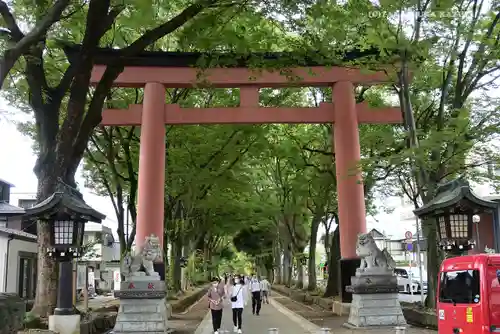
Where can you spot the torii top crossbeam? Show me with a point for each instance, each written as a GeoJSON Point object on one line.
{"type": "Point", "coordinates": [182, 69]}
{"type": "Point", "coordinates": [156, 71]}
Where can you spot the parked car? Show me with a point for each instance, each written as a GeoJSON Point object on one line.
{"type": "Point", "coordinates": [408, 280]}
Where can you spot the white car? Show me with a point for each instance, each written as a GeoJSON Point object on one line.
{"type": "Point", "coordinates": [409, 281]}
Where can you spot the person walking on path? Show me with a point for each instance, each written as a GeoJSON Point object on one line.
{"type": "Point", "coordinates": [215, 296]}
{"type": "Point", "coordinates": [254, 287]}
{"type": "Point", "coordinates": [265, 287]}
{"type": "Point", "coordinates": [238, 300]}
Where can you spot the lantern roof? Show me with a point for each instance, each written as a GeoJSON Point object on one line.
{"type": "Point", "coordinates": [65, 197]}
{"type": "Point", "coordinates": [451, 194]}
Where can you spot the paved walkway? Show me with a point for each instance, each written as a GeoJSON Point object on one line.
{"type": "Point", "coordinates": [275, 315]}
{"type": "Point", "coordinates": [271, 316]}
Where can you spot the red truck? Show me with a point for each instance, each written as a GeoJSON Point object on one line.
{"type": "Point", "coordinates": [468, 300]}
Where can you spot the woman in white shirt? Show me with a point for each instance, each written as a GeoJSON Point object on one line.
{"type": "Point", "coordinates": [239, 299]}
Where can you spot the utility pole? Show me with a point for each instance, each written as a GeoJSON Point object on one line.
{"type": "Point", "coordinates": [420, 263]}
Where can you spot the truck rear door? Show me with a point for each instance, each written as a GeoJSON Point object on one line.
{"type": "Point", "coordinates": [459, 309]}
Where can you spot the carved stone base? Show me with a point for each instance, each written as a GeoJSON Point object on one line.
{"type": "Point", "coordinates": [375, 310]}
{"type": "Point", "coordinates": [142, 306]}
{"type": "Point", "coordinates": [373, 280]}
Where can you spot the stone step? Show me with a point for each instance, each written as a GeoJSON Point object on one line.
{"type": "Point", "coordinates": [376, 303]}
{"type": "Point", "coordinates": [389, 320]}
{"type": "Point", "coordinates": [140, 317]}
{"type": "Point", "coordinates": [372, 311]}
{"type": "Point", "coordinates": [140, 327]}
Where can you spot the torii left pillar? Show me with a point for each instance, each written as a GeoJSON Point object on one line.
{"type": "Point", "coordinates": [151, 181]}
{"type": "Point", "coordinates": [350, 192]}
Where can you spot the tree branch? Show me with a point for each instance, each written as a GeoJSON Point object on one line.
{"type": "Point", "coordinates": [93, 116]}
{"type": "Point", "coordinates": [24, 42]}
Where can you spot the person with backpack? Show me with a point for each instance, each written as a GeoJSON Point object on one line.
{"type": "Point", "coordinates": [215, 296]}
{"type": "Point", "coordinates": [238, 299]}
{"type": "Point", "coordinates": [255, 288]}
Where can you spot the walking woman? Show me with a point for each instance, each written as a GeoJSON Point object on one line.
{"type": "Point", "coordinates": [239, 299]}
{"type": "Point", "coordinates": [215, 297]}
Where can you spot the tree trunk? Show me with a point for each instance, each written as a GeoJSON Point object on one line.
{"type": "Point", "coordinates": [287, 267]}
{"type": "Point", "coordinates": [300, 276]}
{"type": "Point", "coordinates": [46, 287]}
{"type": "Point", "coordinates": [176, 265]}
{"type": "Point", "coordinates": [47, 279]}
{"type": "Point", "coordinates": [327, 240]}
{"type": "Point", "coordinates": [312, 280]}
{"type": "Point", "coordinates": [277, 265]}
{"type": "Point", "coordinates": [206, 258]}
{"type": "Point", "coordinates": [434, 259]}
{"type": "Point", "coordinates": [332, 286]}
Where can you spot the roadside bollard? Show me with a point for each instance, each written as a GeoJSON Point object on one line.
{"type": "Point", "coordinates": [324, 331]}
{"type": "Point", "coordinates": [273, 331]}
{"type": "Point", "coordinates": [400, 330]}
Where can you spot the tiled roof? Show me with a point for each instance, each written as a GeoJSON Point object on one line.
{"type": "Point", "coordinates": [8, 209]}
{"type": "Point", "coordinates": [377, 234]}
{"type": "Point", "coordinates": [7, 183]}
{"type": "Point", "coordinates": [449, 194]}
{"type": "Point", "coordinates": [17, 232]}
{"type": "Point", "coordinates": [68, 197]}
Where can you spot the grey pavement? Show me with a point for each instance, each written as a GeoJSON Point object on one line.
{"type": "Point", "coordinates": [271, 316]}
{"type": "Point", "coordinates": [275, 315]}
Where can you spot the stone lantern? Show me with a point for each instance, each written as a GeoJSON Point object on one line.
{"type": "Point", "coordinates": [454, 207]}
{"type": "Point", "coordinates": [66, 212]}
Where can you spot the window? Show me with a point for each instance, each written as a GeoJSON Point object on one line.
{"type": "Point", "coordinates": [401, 273]}
{"type": "Point", "coordinates": [98, 237]}
{"type": "Point", "coordinates": [26, 203]}
{"type": "Point", "coordinates": [460, 287]}
{"type": "Point", "coordinates": [63, 232]}
{"type": "Point", "coordinates": [27, 277]}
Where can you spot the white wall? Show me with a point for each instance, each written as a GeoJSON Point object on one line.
{"type": "Point", "coordinates": [3, 254]}
{"type": "Point", "coordinates": [13, 261]}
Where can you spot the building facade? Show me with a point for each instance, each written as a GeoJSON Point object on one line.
{"type": "Point", "coordinates": [100, 254]}
{"type": "Point", "coordinates": [18, 248]}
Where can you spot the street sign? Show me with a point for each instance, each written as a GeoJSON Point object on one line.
{"type": "Point", "coordinates": [409, 246]}
{"type": "Point", "coordinates": [408, 235]}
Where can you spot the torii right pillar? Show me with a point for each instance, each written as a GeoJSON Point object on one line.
{"type": "Point", "coordinates": [350, 192]}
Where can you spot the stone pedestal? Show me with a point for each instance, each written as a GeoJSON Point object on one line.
{"type": "Point", "coordinates": [65, 324]}
{"type": "Point", "coordinates": [375, 300]}
{"type": "Point", "coordinates": [142, 306]}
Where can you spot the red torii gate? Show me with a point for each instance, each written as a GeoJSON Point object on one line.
{"type": "Point", "coordinates": [156, 71]}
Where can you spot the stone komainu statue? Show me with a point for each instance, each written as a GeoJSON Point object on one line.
{"type": "Point", "coordinates": [371, 256]}
{"type": "Point", "coordinates": [143, 259]}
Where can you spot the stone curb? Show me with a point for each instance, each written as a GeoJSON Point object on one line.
{"type": "Point", "coordinates": [204, 324]}
{"type": "Point", "coordinates": [303, 322]}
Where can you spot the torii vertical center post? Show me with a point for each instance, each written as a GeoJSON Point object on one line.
{"type": "Point", "coordinates": [154, 75]}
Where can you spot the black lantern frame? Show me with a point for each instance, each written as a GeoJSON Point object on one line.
{"type": "Point", "coordinates": [66, 236]}
{"type": "Point", "coordinates": [66, 213]}
{"type": "Point", "coordinates": [455, 229]}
